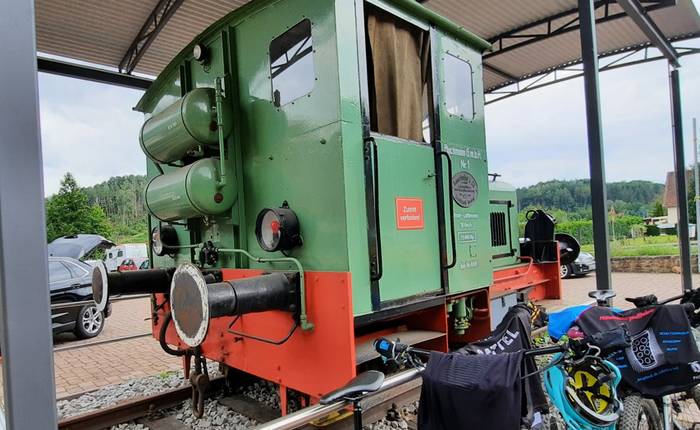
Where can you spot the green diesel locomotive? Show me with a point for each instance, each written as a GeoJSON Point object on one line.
{"type": "Point", "coordinates": [319, 177]}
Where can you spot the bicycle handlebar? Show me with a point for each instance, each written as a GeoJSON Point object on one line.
{"type": "Point", "coordinates": [392, 350]}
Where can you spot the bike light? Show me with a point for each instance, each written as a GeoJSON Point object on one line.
{"type": "Point", "coordinates": [164, 240]}
{"type": "Point", "coordinates": [277, 229]}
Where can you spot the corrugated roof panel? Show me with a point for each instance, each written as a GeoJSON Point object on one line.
{"type": "Point", "coordinates": [614, 35]}
{"type": "Point", "coordinates": [191, 18]}
{"type": "Point", "coordinates": [681, 19]}
{"type": "Point", "coordinates": [488, 18]}
{"type": "Point", "coordinates": [100, 32]}
{"type": "Point", "coordinates": [95, 31]}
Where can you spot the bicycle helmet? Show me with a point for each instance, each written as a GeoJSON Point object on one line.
{"type": "Point", "coordinates": [585, 392]}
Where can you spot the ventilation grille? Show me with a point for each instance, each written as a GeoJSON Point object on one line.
{"type": "Point", "coordinates": [498, 229]}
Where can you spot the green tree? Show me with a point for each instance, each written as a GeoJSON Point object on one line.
{"type": "Point", "coordinates": [70, 212]}
{"type": "Point", "coordinates": [657, 209]}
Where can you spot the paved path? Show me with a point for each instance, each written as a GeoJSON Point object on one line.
{"type": "Point", "coordinates": [92, 367]}
{"type": "Point", "coordinates": [664, 285]}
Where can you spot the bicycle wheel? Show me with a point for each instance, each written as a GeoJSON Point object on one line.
{"type": "Point", "coordinates": [639, 414]}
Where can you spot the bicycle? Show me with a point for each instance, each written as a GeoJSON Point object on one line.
{"type": "Point", "coordinates": [641, 408]}
{"type": "Point", "coordinates": [577, 359]}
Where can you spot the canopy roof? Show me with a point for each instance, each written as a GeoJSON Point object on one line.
{"type": "Point", "coordinates": [529, 37]}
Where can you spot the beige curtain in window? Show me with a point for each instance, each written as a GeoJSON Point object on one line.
{"type": "Point", "coordinates": [398, 63]}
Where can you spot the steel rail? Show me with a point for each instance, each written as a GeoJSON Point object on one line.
{"type": "Point", "coordinates": [68, 305]}
{"type": "Point", "coordinates": [101, 342]}
{"type": "Point", "coordinates": [307, 415]}
{"type": "Point", "coordinates": [132, 409]}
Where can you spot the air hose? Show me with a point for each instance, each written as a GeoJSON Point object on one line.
{"type": "Point", "coordinates": [161, 338]}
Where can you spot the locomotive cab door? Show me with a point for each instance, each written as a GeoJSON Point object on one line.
{"type": "Point", "coordinates": [400, 160]}
{"type": "Point", "coordinates": [461, 140]}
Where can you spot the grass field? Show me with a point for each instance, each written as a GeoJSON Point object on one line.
{"type": "Point", "coordinates": [644, 246]}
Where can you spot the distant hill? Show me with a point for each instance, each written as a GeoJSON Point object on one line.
{"type": "Point", "coordinates": [121, 198]}
{"type": "Point", "coordinates": [631, 197]}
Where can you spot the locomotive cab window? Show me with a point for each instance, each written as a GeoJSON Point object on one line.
{"type": "Point", "coordinates": [398, 69]}
{"type": "Point", "coordinates": [459, 91]}
{"type": "Point", "coordinates": [292, 64]}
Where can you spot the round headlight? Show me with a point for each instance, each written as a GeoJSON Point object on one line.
{"type": "Point", "coordinates": [277, 229]}
{"type": "Point", "coordinates": [199, 52]}
{"type": "Point", "coordinates": [164, 240]}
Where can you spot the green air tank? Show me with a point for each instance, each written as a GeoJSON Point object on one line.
{"type": "Point", "coordinates": [189, 192]}
{"type": "Point", "coordinates": [183, 126]}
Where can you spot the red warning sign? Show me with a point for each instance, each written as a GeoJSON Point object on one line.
{"type": "Point", "coordinates": [409, 213]}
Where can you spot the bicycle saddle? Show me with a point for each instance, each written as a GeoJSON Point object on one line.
{"type": "Point", "coordinates": [602, 295]}
{"type": "Point", "coordinates": [366, 382]}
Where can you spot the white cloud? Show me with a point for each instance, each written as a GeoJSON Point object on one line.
{"type": "Point", "coordinates": [88, 129]}
{"type": "Point", "coordinates": [541, 135]}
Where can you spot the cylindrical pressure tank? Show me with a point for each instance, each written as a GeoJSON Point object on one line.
{"type": "Point", "coordinates": [183, 126]}
{"type": "Point", "coordinates": [189, 192]}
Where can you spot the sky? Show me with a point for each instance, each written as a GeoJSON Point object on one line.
{"type": "Point", "coordinates": [90, 130]}
{"type": "Point", "coordinates": [541, 135]}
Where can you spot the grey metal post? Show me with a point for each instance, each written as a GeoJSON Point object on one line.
{"type": "Point", "coordinates": [599, 198]}
{"type": "Point", "coordinates": [25, 329]}
{"type": "Point", "coordinates": [681, 190]}
{"type": "Point", "coordinates": [697, 187]}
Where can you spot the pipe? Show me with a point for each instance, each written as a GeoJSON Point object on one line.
{"type": "Point", "coordinates": [151, 281]}
{"type": "Point", "coordinates": [305, 416]}
{"type": "Point", "coordinates": [220, 128]}
{"type": "Point", "coordinates": [161, 338]}
{"type": "Point", "coordinates": [303, 318]}
{"type": "Point", "coordinates": [148, 281]}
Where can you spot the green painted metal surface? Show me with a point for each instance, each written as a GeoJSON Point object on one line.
{"type": "Point", "coordinates": [308, 152]}
{"type": "Point", "coordinates": [463, 138]}
{"type": "Point", "coordinates": [189, 192]}
{"type": "Point", "coordinates": [503, 200]}
{"type": "Point", "coordinates": [410, 248]}
{"type": "Point", "coordinates": [182, 127]}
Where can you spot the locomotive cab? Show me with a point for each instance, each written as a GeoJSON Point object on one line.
{"type": "Point", "coordinates": [318, 178]}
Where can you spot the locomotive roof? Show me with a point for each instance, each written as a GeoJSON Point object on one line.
{"type": "Point", "coordinates": [529, 38]}
{"type": "Point", "coordinates": [410, 6]}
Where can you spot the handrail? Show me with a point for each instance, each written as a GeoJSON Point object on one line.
{"type": "Point", "coordinates": [517, 275]}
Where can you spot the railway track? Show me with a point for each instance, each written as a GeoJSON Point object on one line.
{"type": "Point", "coordinates": [147, 410]}
{"type": "Point", "coordinates": [142, 407]}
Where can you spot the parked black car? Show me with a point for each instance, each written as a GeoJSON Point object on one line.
{"type": "Point", "coordinates": [70, 280]}
{"type": "Point", "coordinates": [583, 265]}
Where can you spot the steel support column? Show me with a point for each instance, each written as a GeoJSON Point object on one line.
{"type": "Point", "coordinates": [599, 198]}
{"type": "Point", "coordinates": [641, 17]}
{"type": "Point", "coordinates": [25, 329]}
{"type": "Point", "coordinates": [681, 190]}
